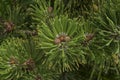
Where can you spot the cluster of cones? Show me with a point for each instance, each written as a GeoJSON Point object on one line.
{"type": "Point", "coordinates": [61, 38]}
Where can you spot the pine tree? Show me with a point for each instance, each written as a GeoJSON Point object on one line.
{"type": "Point", "coordinates": [59, 40]}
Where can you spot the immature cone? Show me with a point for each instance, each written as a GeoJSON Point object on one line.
{"type": "Point", "coordinates": [13, 61]}
{"type": "Point", "coordinates": [62, 38]}
{"type": "Point", "coordinates": [115, 58]}
{"type": "Point", "coordinates": [30, 64]}
{"type": "Point", "coordinates": [8, 26]}
{"type": "Point", "coordinates": [89, 37]}
{"type": "Point", "coordinates": [50, 12]}
{"type": "Point", "coordinates": [67, 38]}
{"type": "Point", "coordinates": [50, 9]}
{"type": "Point", "coordinates": [57, 41]}
{"type": "Point", "coordinates": [95, 8]}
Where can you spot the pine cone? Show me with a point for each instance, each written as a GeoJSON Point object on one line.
{"type": "Point", "coordinates": [29, 65]}
{"type": "Point", "coordinates": [8, 27]}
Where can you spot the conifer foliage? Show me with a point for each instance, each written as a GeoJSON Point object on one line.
{"type": "Point", "coordinates": [59, 40]}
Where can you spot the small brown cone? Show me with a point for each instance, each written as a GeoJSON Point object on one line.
{"type": "Point", "coordinates": [8, 26]}
{"type": "Point", "coordinates": [50, 9]}
{"type": "Point", "coordinates": [57, 41]}
{"type": "Point", "coordinates": [30, 64]}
